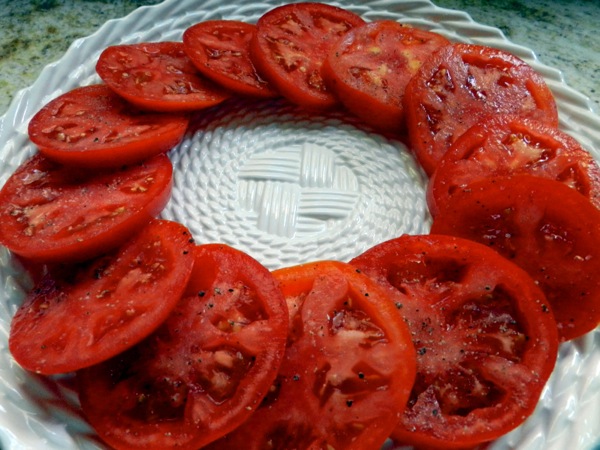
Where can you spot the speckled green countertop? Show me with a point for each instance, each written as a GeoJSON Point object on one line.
{"type": "Point", "coordinates": [562, 33]}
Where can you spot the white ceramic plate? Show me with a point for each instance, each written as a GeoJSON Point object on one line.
{"type": "Point", "coordinates": [287, 187]}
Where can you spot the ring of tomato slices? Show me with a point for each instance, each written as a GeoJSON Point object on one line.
{"type": "Point", "coordinates": [207, 367]}
{"type": "Point", "coordinates": [485, 337]}
{"type": "Point", "coordinates": [169, 400]}
{"type": "Point", "coordinates": [347, 371]}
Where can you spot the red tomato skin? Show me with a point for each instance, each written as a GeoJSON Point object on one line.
{"type": "Point", "coordinates": [93, 313]}
{"type": "Point", "coordinates": [507, 145]}
{"type": "Point", "coordinates": [453, 294]}
{"type": "Point", "coordinates": [93, 127]}
{"type": "Point", "coordinates": [158, 76]}
{"type": "Point", "coordinates": [369, 67]}
{"type": "Point", "coordinates": [310, 27]}
{"type": "Point", "coordinates": [220, 50]}
{"type": "Point", "coordinates": [462, 84]}
{"type": "Point", "coordinates": [204, 371]}
{"type": "Point", "coordinates": [41, 213]}
{"type": "Point", "coordinates": [545, 227]}
{"type": "Point", "coordinates": [333, 392]}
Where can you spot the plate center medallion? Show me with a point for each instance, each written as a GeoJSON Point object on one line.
{"type": "Point", "coordinates": [297, 191]}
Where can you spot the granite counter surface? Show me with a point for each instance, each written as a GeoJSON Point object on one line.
{"type": "Point", "coordinates": [562, 33]}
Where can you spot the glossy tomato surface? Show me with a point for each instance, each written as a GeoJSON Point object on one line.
{"type": "Point", "coordinates": [55, 213]}
{"type": "Point", "coordinates": [348, 368]}
{"type": "Point", "coordinates": [484, 334]}
{"type": "Point", "coordinates": [369, 67]}
{"type": "Point", "coordinates": [91, 126]}
{"type": "Point", "coordinates": [545, 227]}
{"type": "Point", "coordinates": [205, 370]}
{"type": "Point", "coordinates": [158, 76]}
{"type": "Point", "coordinates": [91, 313]}
{"type": "Point", "coordinates": [291, 44]}
{"type": "Point", "coordinates": [508, 145]}
{"type": "Point", "coordinates": [220, 49]}
{"type": "Point", "coordinates": [463, 84]}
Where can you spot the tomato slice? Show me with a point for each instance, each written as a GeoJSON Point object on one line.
{"type": "Point", "coordinates": [220, 49]}
{"type": "Point", "coordinates": [348, 368]}
{"type": "Point", "coordinates": [543, 226]}
{"type": "Point", "coordinates": [507, 145]}
{"type": "Point", "coordinates": [158, 76]}
{"type": "Point", "coordinates": [54, 213]}
{"type": "Point", "coordinates": [93, 127]}
{"type": "Point", "coordinates": [290, 45]}
{"type": "Point", "coordinates": [204, 371]}
{"type": "Point", "coordinates": [463, 84]}
{"type": "Point", "coordinates": [369, 67]}
{"type": "Point", "coordinates": [485, 337]}
{"type": "Point", "coordinates": [92, 313]}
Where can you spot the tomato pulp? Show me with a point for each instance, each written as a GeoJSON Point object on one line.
{"type": "Point", "coordinates": [205, 370]}
{"type": "Point", "coordinates": [158, 76]}
{"type": "Point", "coordinates": [220, 49]}
{"type": "Point", "coordinates": [93, 127]}
{"type": "Point", "coordinates": [462, 84]}
{"type": "Point", "coordinates": [55, 213]}
{"type": "Point", "coordinates": [484, 334]}
{"type": "Point", "coordinates": [508, 145]}
{"type": "Point", "coordinates": [91, 313]}
{"type": "Point", "coordinates": [543, 226]}
{"type": "Point", "coordinates": [290, 45]}
{"type": "Point", "coordinates": [369, 67]}
{"type": "Point", "coordinates": [348, 368]}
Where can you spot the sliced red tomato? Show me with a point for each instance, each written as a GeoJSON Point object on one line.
{"type": "Point", "coordinates": [204, 371]}
{"type": "Point", "coordinates": [544, 226]}
{"type": "Point", "coordinates": [484, 334]}
{"type": "Point", "coordinates": [507, 145]}
{"type": "Point", "coordinates": [158, 76]}
{"type": "Point", "coordinates": [348, 368]}
{"type": "Point", "coordinates": [290, 45]}
{"type": "Point", "coordinates": [220, 50]}
{"type": "Point", "coordinates": [93, 127]}
{"type": "Point", "coordinates": [96, 311]}
{"type": "Point", "coordinates": [54, 213]}
{"type": "Point", "coordinates": [369, 67]}
{"type": "Point", "coordinates": [463, 84]}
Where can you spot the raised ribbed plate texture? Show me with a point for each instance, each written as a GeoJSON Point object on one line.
{"type": "Point", "coordinates": [286, 186]}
